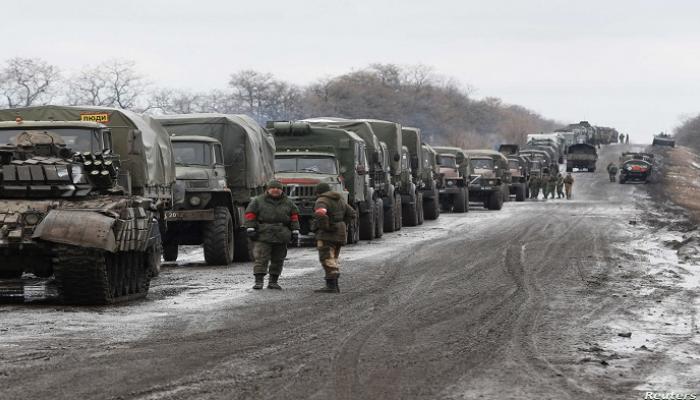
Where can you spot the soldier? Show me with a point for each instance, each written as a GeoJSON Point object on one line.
{"type": "Point", "coordinates": [271, 221]}
{"type": "Point", "coordinates": [612, 171]}
{"type": "Point", "coordinates": [560, 185]}
{"type": "Point", "coordinates": [331, 216]}
{"type": "Point", "coordinates": [627, 139]}
{"type": "Point", "coordinates": [568, 183]}
{"type": "Point", "coordinates": [534, 183]}
{"type": "Point", "coordinates": [622, 138]}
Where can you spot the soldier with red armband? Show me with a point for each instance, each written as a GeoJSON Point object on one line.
{"type": "Point", "coordinates": [271, 221]}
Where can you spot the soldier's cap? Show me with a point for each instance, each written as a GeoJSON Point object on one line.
{"type": "Point", "coordinates": [322, 187]}
{"type": "Point", "coordinates": [274, 183]}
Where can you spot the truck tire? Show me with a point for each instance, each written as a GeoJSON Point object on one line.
{"type": "Point", "coordinates": [460, 201]}
{"type": "Point", "coordinates": [520, 193]}
{"type": "Point", "coordinates": [367, 220]}
{"type": "Point", "coordinates": [495, 201]}
{"type": "Point", "coordinates": [409, 212]}
{"type": "Point", "coordinates": [431, 206]}
{"type": "Point", "coordinates": [243, 247]}
{"type": "Point", "coordinates": [419, 208]}
{"type": "Point", "coordinates": [389, 215]}
{"type": "Point", "coordinates": [379, 218]}
{"type": "Point", "coordinates": [527, 191]}
{"type": "Point", "coordinates": [170, 252]}
{"type": "Point", "coordinates": [398, 207]}
{"type": "Point", "coordinates": [218, 238]}
{"type": "Point", "coordinates": [353, 232]}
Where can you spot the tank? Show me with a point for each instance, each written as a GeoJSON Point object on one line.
{"type": "Point", "coordinates": [69, 207]}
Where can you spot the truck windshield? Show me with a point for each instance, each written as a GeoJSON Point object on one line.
{"type": "Point", "coordinates": [76, 139]}
{"type": "Point", "coordinates": [192, 153]}
{"type": "Point", "coordinates": [482, 163]}
{"type": "Point", "coordinates": [513, 164]}
{"type": "Point", "coordinates": [314, 164]}
{"type": "Point", "coordinates": [447, 161]}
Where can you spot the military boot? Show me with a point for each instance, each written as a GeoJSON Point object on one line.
{"type": "Point", "coordinates": [272, 284]}
{"type": "Point", "coordinates": [329, 288]}
{"type": "Point", "coordinates": [259, 281]}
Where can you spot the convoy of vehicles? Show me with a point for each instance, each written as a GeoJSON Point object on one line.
{"type": "Point", "coordinates": [94, 197]}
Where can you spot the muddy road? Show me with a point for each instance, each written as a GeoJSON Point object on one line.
{"type": "Point", "coordinates": [532, 302]}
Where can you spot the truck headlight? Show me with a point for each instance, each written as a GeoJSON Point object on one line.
{"type": "Point", "coordinates": [450, 183]}
{"type": "Point", "coordinates": [195, 201]}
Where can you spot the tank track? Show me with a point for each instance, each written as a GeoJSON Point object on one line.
{"type": "Point", "coordinates": [87, 276]}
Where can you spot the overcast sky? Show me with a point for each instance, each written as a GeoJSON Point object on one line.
{"type": "Point", "coordinates": [631, 64]}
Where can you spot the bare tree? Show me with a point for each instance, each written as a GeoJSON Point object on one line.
{"type": "Point", "coordinates": [28, 81]}
{"type": "Point", "coordinates": [113, 83]}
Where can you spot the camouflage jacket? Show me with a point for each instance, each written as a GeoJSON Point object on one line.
{"type": "Point", "coordinates": [332, 226]}
{"type": "Point", "coordinates": [274, 219]}
{"type": "Point", "coordinates": [569, 179]}
{"type": "Point", "coordinates": [560, 180]}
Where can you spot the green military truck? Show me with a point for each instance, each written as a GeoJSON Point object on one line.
{"type": "Point", "coordinates": [453, 179]}
{"type": "Point", "coordinates": [490, 178]}
{"type": "Point", "coordinates": [427, 195]}
{"type": "Point", "coordinates": [222, 162]}
{"type": "Point", "coordinates": [430, 168]}
{"type": "Point", "coordinates": [581, 156]}
{"type": "Point", "coordinates": [83, 193]}
{"type": "Point", "coordinates": [519, 171]}
{"type": "Point", "coordinates": [379, 161]}
{"type": "Point", "coordinates": [308, 155]}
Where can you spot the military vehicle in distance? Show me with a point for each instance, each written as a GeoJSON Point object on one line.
{"type": "Point", "coordinates": [490, 178]}
{"type": "Point", "coordinates": [310, 154]}
{"type": "Point", "coordinates": [554, 140]}
{"type": "Point", "coordinates": [519, 167]}
{"type": "Point", "coordinates": [431, 204]}
{"type": "Point", "coordinates": [454, 179]}
{"type": "Point", "coordinates": [664, 139]}
{"type": "Point", "coordinates": [222, 162]}
{"type": "Point", "coordinates": [581, 156]}
{"type": "Point", "coordinates": [83, 201]}
{"type": "Point", "coordinates": [636, 167]}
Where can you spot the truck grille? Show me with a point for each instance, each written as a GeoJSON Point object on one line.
{"type": "Point", "coordinates": [299, 191]}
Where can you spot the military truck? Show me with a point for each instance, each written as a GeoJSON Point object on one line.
{"type": "Point", "coordinates": [663, 139]}
{"type": "Point", "coordinates": [222, 161]}
{"type": "Point", "coordinates": [454, 179]}
{"type": "Point", "coordinates": [540, 155]}
{"type": "Point", "coordinates": [423, 171]}
{"type": "Point", "coordinates": [520, 174]}
{"type": "Point", "coordinates": [581, 156]}
{"type": "Point", "coordinates": [431, 204]}
{"type": "Point", "coordinates": [489, 178]}
{"type": "Point", "coordinates": [553, 140]}
{"type": "Point", "coordinates": [308, 155]}
{"type": "Point", "coordinates": [84, 201]}
{"type": "Point", "coordinates": [380, 166]}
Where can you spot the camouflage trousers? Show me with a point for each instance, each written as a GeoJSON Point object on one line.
{"type": "Point", "coordinates": [534, 192]}
{"type": "Point", "coordinates": [567, 188]}
{"type": "Point", "coordinates": [560, 191]}
{"type": "Point", "coordinates": [328, 253]}
{"type": "Point", "coordinates": [268, 253]}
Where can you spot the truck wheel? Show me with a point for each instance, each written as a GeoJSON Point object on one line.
{"type": "Point", "coordinates": [379, 218]}
{"type": "Point", "coordinates": [409, 212]}
{"type": "Point", "coordinates": [419, 208]}
{"type": "Point", "coordinates": [520, 193]}
{"type": "Point", "coordinates": [495, 200]}
{"type": "Point", "coordinates": [527, 191]}
{"type": "Point", "coordinates": [170, 252]}
{"type": "Point", "coordinates": [353, 232]}
{"type": "Point", "coordinates": [460, 201]}
{"type": "Point", "coordinates": [219, 238]}
{"type": "Point", "coordinates": [243, 247]}
{"type": "Point", "coordinates": [389, 215]}
{"type": "Point", "coordinates": [367, 221]}
{"type": "Point", "coordinates": [398, 207]}
{"type": "Point", "coordinates": [431, 209]}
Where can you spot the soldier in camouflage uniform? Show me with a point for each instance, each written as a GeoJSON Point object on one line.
{"type": "Point", "coordinates": [271, 221]}
{"type": "Point", "coordinates": [568, 183]}
{"type": "Point", "coordinates": [331, 216]}
{"type": "Point", "coordinates": [544, 183]}
{"type": "Point", "coordinates": [560, 185]}
{"type": "Point", "coordinates": [534, 184]}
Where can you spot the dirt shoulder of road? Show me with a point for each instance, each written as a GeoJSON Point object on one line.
{"type": "Point", "coordinates": [680, 179]}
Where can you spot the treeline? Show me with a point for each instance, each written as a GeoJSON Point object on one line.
{"type": "Point", "coordinates": [688, 133]}
{"type": "Point", "coordinates": [413, 96]}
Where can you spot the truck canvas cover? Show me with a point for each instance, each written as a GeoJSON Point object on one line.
{"type": "Point", "coordinates": [142, 144]}
{"type": "Point", "coordinates": [249, 150]}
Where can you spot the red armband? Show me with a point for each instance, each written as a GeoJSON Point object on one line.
{"type": "Point", "coordinates": [249, 216]}
{"type": "Point", "coordinates": [295, 217]}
